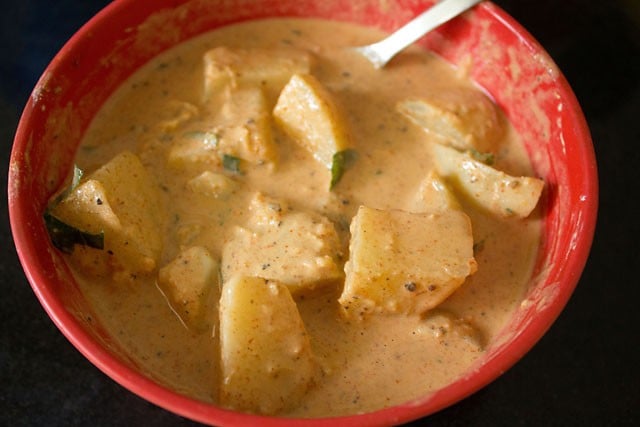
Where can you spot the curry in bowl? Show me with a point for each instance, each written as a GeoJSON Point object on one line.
{"type": "Point", "coordinates": [262, 220]}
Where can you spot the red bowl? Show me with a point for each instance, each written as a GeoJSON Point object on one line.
{"type": "Point", "coordinates": [506, 61]}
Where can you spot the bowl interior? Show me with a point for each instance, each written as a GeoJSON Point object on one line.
{"type": "Point", "coordinates": [502, 57]}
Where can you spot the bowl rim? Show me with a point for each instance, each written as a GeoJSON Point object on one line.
{"type": "Point", "coordinates": [142, 386]}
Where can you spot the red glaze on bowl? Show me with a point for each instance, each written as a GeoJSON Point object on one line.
{"type": "Point", "coordinates": [503, 58]}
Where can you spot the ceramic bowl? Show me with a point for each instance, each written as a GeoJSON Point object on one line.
{"type": "Point", "coordinates": [503, 58]}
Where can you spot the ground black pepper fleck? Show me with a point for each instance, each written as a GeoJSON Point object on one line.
{"type": "Point", "coordinates": [410, 286]}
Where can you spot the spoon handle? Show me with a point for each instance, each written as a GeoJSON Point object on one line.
{"type": "Point", "coordinates": [381, 52]}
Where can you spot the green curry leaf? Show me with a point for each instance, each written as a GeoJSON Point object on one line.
{"type": "Point", "coordinates": [341, 161]}
{"type": "Point", "coordinates": [486, 158]}
{"type": "Point", "coordinates": [75, 180]}
{"type": "Point", "coordinates": [231, 163]}
{"type": "Point", "coordinates": [64, 236]}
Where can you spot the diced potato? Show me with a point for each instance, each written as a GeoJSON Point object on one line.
{"type": "Point", "coordinates": [245, 126]}
{"type": "Point", "coordinates": [212, 184]}
{"type": "Point", "coordinates": [176, 114]}
{"type": "Point", "coordinates": [242, 129]}
{"type": "Point", "coordinates": [299, 249]}
{"type": "Point", "coordinates": [188, 233]}
{"type": "Point", "coordinates": [189, 283]}
{"type": "Point", "coordinates": [491, 189]}
{"type": "Point", "coordinates": [443, 325]}
{"type": "Point", "coordinates": [266, 68]}
{"type": "Point", "coordinates": [194, 150]}
{"type": "Point", "coordinates": [464, 118]}
{"type": "Point", "coordinates": [266, 212]}
{"type": "Point", "coordinates": [121, 200]}
{"type": "Point", "coordinates": [171, 120]}
{"type": "Point", "coordinates": [307, 112]}
{"type": "Point", "coordinates": [402, 262]}
{"type": "Point", "coordinates": [266, 359]}
{"type": "Point", "coordinates": [434, 195]}
{"type": "Point", "coordinates": [87, 208]}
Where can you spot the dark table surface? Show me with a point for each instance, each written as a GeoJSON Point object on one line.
{"type": "Point", "coordinates": [584, 371]}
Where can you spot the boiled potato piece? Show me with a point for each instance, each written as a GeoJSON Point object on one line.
{"type": "Point", "coordinates": [266, 359]}
{"type": "Point", "coordinates": [493, 190]}
{"type": "Point", "coordinates": [268, 68]}
{"type": "Point", "coordinates": [176, 114]}
{"type": "Point", "coordinates": [464, 118]}
{"type": "Point", "coordinates": [245, 126]}
{"type": "Point", "coordinates": [189, 283]}
{"type": "Point", "coordinates": [443, 326]}
{"type": "Point", "coordinates": [266, 212]}
{"type": "Point", "coordinates": [121, 200]}
{"type": "Point", "coordinates": [212, 184]}
{"type": "Point", "coordinates": [402, 262]}
{"type": "Point", "coordinates": [307, 112]}
{"type": "Point", "coordinates": [434, 195]}
{"type": "Point", "coordinates": [194, 150]}
{"type": "Point", "coordinates": [299, 249]}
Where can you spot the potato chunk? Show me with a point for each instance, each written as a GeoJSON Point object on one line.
{"type": "Point", "coordinates": [444, 325]}
{"type": "Point", "coordinates": [176, 114]}
{"type": "Point", "coordinates": [189, 282]}
{"type": "Point", "coordinates": [299, 249]}
{"type": "Point", "coordinates": [211, 184]}
{"type": "Point", "coordinates": [402, 262]}
{"type": "Point", "coordinates": [245, 126]}
{"type": "Point", "coordinates": [266, 359]}
{"type": "Point", "coordinates": [434, 195]}
{"type": "Point", "coordinates": [194, 150]}
{"type": "Point", "coordinates": [267, 68]}
{"type": "Point", "coordinates": [307, 112]}
{"type": "Point", "coordinates": [464, 118]}
{"type": "Point", "coordinates": [495, 191]}
{"type": "Point", "coordinates": [121, 200]}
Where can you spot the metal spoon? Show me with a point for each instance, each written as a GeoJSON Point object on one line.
{"type": "Point", "coordinates": [381, 52]}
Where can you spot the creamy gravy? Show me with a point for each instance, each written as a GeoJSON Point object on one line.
{"type": "Point", "coordinates": [382, 361]}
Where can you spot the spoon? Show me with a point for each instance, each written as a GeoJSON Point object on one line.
{"type": "Point", "coordinates": [381, 52]}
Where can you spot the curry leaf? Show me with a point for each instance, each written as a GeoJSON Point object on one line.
{"type": "Point", "coordinates": [231, 163]}
{"type": "Point", "coordinates": [64, 237]}
{"type": "Point", "coordinates": [75, 180]}
{"type": "Point", "coordinates": [486, 158]}
{"type": "Point", "coordinates": [341, 161]}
